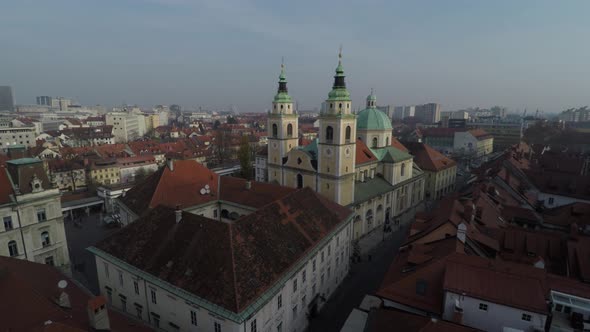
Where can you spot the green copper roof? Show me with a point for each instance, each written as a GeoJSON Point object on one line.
{"type": "Point", "coordinates": [390, 154]}
{"type": "Point", "coordinates": [24, 161]}
{"type": "Point", "coordinates": [339, 91]}
{"type": "Point", "coordinates": [372, 119]}
{"type": "Point", "coordinates": [372, 96]}
{"type": "Point", "coordinates": [312, 148]}
{"type": "Point", "coordinates": [282, 95]}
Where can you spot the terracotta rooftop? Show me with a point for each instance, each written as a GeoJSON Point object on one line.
{"type": "Point", "coordinates": [480, 134]}
{"type": "Point", "coordinates": [513, 285]}
{"type": "Point", "coordinates": [234, 190]}
{"type": "Point", "coordinates": [397, 144]}
{"type": "Point", "coordinates": [419, 283]}
{"type": "Point", "coordinates": [363, 153]}
{"type": "Point", "coordinates": [29, 290]}
{"type": "Point", "coordinates": [428, 158]}
{"type": "Point", "coordinates": [230, 265]}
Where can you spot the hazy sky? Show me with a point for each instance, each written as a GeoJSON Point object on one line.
{"type": "Point", "coordinates": [216, 53]}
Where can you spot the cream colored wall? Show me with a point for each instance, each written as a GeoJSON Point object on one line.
{"type": "Point", "coordinates": [383, 137]}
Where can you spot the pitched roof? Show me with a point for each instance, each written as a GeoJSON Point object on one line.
{"type": "Point", "coordinates": [398, 145]}
{"type": "Point", "coordinates": [480, 134]}
{"type": "Point", "coordinates": [390, 154]}
{"type": "Point", "coordinates": [230, 265]}
{"type": "Point", "coordinates": [29, 290]}
{"type": "Point", "coordinates": [513, 285]}
{"type": "Point", "coordinates": [22, 171]}
{"type": "Point", "coordinates": [363, 153]}
{"type": "Point", "coordinates": [419, 283]}
{"type": "Point", "coordinates": [428, 158]}
{"type": "Point", "coordinates": [259, 194]}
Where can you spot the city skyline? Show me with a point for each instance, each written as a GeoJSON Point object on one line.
{"type": "Point", "coordinates": [519, 55]}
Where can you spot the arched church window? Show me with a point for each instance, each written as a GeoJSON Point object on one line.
{"type": "Point", "coordinates": [290, 130]}
{"type": "Point", "coordinates": [275, 130]}
{"type": "Point", "coordinates": [282, 106]}
{"type": "Point", "coordinates": [387, 141]}
{"type": "Point", "coordinates": [348, 132]}
{"type": "Point", "coordinates": [340, 106]}
{"type": "Point", "coordinates": [329, 133]}
{"type": "Point", "coordinates": [403, 171]}
{"type": "Point", "coordinates": [299, 181]}
{"type": "Point", "coordinates": [374, 142]}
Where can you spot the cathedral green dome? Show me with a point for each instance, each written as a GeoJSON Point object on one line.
{"type": "Point", "coordinates": [371, 118]}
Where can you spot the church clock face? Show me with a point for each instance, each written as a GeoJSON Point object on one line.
{"type": "Point", "coordinates": [347, 152]}
{"type": "Point", "coordinates": [275, 145]}
{"type": "Point", "coordinates": [328, 152]}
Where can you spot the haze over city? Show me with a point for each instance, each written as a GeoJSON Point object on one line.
{"type": "Point", "coordinates": [518, 54]}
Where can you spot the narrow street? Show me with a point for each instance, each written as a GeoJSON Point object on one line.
{"type": "Point", "coordinates": [364, 278]}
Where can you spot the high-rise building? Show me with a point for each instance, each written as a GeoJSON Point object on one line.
{"type": "Point", "coordinates": [428, 113]}
{"type": "Point", "coordinates": [44, 100]}
{"type": "Point", "coordinates": [6, 99]}
{"type": "Point", "coordinates": [126, 127]}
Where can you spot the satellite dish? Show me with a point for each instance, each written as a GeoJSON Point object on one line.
{"type": "Point", "coordinates": [203, 191]}
{"type": "Point", "coordinates": [62, 284]}
{"type": "Point", "coordinates": [207, 187]}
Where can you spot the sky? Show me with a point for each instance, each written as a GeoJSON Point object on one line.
{"type": "Point", "coordinates": [218, 53]}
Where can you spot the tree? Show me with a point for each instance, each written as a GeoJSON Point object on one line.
{"type": "Point", "coordinates": [221, 146]}
{"type": "Point", "coordinates": [231, 120]}
{"type": "Point", "coordinates": [245, 156]}
{"type": "Point", "coordinates": [216, 124]}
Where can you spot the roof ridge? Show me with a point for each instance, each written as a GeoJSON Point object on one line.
{"type": "Point", "coordinates": [233, 267]}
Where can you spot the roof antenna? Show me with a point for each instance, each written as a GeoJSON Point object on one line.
{"type": "Point", "coordinates": [340, 54]}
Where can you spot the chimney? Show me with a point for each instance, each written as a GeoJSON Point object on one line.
{"type": "Point", "coordinates": [63, 300]}
{"type": "Point", "coordinates": [462, 232]}
{"type": "Point", "coordinates": [458, 313]}
{"type": "Point", "coordinates": [98, 316]}
{"type": "Point", "coordinates": [248, 185]}
{"type": "Point", "coordinates": [170, 164]}
{"type": "Point", "coordinates": [178, 214]}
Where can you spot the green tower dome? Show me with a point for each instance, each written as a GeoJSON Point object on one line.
{"type": "Point", "coordinates": [282, 95]}
{"type": "Point", "coordinates": [371, 118]}
{"type": "Point", "coordinates": [339, 91]}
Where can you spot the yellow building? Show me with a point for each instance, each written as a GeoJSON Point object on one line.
{"type": "Point", "coordinates": [381, 182]}
{"type": "Point", "coordinates": [440, 171]}
{"type": "Point", "coordinates": [105, 172]}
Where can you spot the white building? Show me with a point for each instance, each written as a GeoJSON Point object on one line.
{"type": "Point", "coordinates": [260, 165]}
{"type": "Point", "coordinates": [30, 208]}
{"type": "Point", "coordinates": [126, 126]}
{"type": "Point", "coordinates": [15, 134]}
{"type": "Point", "coordinates": [242, 256]}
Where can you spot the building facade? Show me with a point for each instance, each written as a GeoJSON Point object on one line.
{"type": "Point", "coordinates": [30, 207]}
{"type": "Point", "coordinates": [11, 135]}
{"type": "Point", "coordinates": [126, 126]}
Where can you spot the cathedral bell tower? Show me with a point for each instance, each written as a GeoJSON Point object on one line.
{"type": "Point", "coordinates": [337, 143]}
{"type": "Point", "coordinates": [282, 129]}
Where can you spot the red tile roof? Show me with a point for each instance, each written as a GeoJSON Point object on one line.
{"type": "Point", "coordinates": [428, 158]}
{"type": "Point", "coordinates": [363, 153]}
{"type": "Point", "coordinates": [513, 285]}
{"type": "Point", "coordinates": [229, 264]}
{"type": "Point", "coordinates": [480, 134]}
{"type": "Point", "coordinates": [397, 144]}
{"type": "Point", "coordinates": [234, 190]}
{"type": "Point", "coordinates": [28, 291]}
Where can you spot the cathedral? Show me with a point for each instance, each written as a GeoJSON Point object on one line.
{"type": "Point", "coordinates": [355, 160]}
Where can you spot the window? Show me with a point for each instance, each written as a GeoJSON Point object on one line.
{"type": "Point", "coordinates": [313, 265]}
{"type": "Point", "coordinates": [138, 310]}
{"type": "Point", "coordinates": [295, 285]}
{"type": "Point", "coordinates": [290, 130]}
{"type": "Point", "coordinates": [329, 133]}
{"type": "Point", "coordinates": [45, 240]}
{"type": "Point", "coordinates": [295, 312]}
{"type": "Point", "coordinates": [12, 249]}
{"type": "Point", "coordinates": [280, 327]}
{"type": "Point", "coordinates": [303, 276]}
{"type": "Point", "coordinates": [374, 145]}
{"type": "Point", "coordinates": [275, 130]}
{"type": "Point", "coordinates": [550, 200]}
{"type": "Point", "coordinates": [154, 299]}
{"type": "Point", "coordinates": [136, 286]}
{"type": "Point", "coordinates": [483, 306]}
{"type": "Point", "coordinates": [329, 250]}
{"type": "Point", "coordinates": [303, 303]}
{"type": "Point", "coordinates": [322, 260]}
{"type": "Point", "coordinates": [123, 302]}
{"type": "Point", "coordinates": [253, 325]}
{"type": "Point", "coordinates": [217, 326]}
{"type": "Point", "coordinates": [215, 213]}
{"type": "Point", "coordinates": [8, 223]}
{"type": "Point", "coordinates": [386, 141]}
{"type": "Point", "coordinates": [109, 294]}
{"type": "Point", "coordinates": [348, 133]}
{"type": "Point", "coordinates": [121, 278]}
{"type": "Point", "coordinates": [156, 319]}
{"type": "Point", "coordinates": [403, 171]}
{"type": "Point", "coordinates": [106, 269]}
{"type": "Point", "coordinates": [49, 260]}
{"type": "Point", "coordinates": [41, 216]}
{"type": "Point", "coordinates": [193, 318]}
{"type": "Point", "coordinates": [526, 317]}
{"type": "Point", "coordinates": [299, 181]}
{"type": "Point", "coordinates": [279, 301]}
